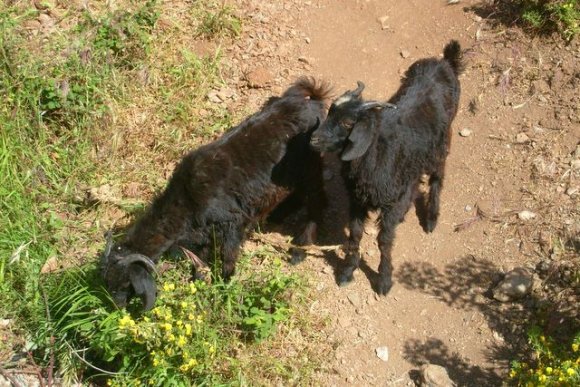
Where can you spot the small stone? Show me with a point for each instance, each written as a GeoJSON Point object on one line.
{"type": "Point", "coordinates": [382, 353]}
{"type": "Point", "coordinates": [354, 299]}
{"type": "Point", "coordinates": [571, 191]}
{"type": "Point", "coordinates": [465, 132]}
{"type": "Point", "coordinates": [405, 54]}
{"type": "Point", "coordinates": [522, 138]}
{"type": "Point", "coordinates": [515, 285]}
{"type": "Point", "coordinates": [575, 164]}
{"type": "Point", "coordinates": [526, 215]}
{"type": "Point", "coordinates": [259, 77]}
{"type": "Point", "coordinates": [433, 375]}
{"type": "Point", "coordinates": [307, 40]}
{"type": "Point", "coordinates": [383, 22]}
{"type": "Point", "coordinates": [213, 97]}
{"type": "Point", "coordinates": [468, 208]}
{"type": "Point", "coordinates": [452, 2]}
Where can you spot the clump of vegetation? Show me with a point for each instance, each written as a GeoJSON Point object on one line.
{"type": "Point", "coordinates": [218, 20]}
{"type": "Point", "coordinates": [191, 337]}
{"type": "Point", "coordinates": [554, 364]}
{"type": "Point", "coordinates": [544, 16]}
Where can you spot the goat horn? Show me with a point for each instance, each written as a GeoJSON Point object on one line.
{"type": "Point", "coordinates": [376, 104]}
{"type": "Point", "coordinates": [359, 89]}
{"type": "Point", "coordinates": [140, 258]}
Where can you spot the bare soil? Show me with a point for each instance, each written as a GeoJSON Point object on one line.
{"type": "Point", "coordinates": [521, 105]}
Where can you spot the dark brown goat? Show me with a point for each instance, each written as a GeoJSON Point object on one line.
{"type": "Point", "coordinates": [221, 189]}
{"type": "Point", "coordinates": [387, 147]}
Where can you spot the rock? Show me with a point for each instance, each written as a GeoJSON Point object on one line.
{"type": "Point", "coordinates": [49, 266]}
{"type": "Point", "coordinates": [405, 53]}
{"type": "Point", "coordinates": [213, 97]}
{"type": "Point", "coordinates": [354, 299]}
{"type": "Point", "coordinates": [526, 215]}
{"type": "Point", "coordinates": [572, 191]}
{"type": "Point", "coordinates": [383, 22]}
{"type": "Point", "coordinates": [515, 285]}
{"type": "Point", "coordinates": [452, 2]}
{"type": "Point", "coordinates": [575, 164]}
{"type": "Point", "coordinates": [305, 60]}
{"type": "Point", "coordinates": [465, 132]}
{"type": "Point", "coordinates": [433, 375]}
{"type": "Point", "coordinates": [259, 77]}
{"type": "Point", "coordinates": [468, 208]}
{"type": "Point", "coordinates": [307, 40]}
{"type": "Point", "coordinates": [522, 138]}
{"type": "Point", "coordinates": [382, 353]}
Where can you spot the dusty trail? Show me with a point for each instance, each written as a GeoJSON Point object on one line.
{"type": "Point", "coordinates": [439, 310]}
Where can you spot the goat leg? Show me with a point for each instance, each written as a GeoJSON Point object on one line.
{"type": "Point", "coordinates": [352, 247]}
{"type": "Point", "coordinates": [435, 185]}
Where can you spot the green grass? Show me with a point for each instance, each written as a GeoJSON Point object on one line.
{"type": "Point", "coordinates": [107, 97]}
{"type": "Point", "coordinates": [552, 15]}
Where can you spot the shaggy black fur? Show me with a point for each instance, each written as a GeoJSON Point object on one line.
{"type": "Point", "coordinates": [221, 189]}
{"type": "Point", "coordinates": [387, 147]}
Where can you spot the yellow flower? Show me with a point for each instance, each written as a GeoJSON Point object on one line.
{"type": "Point", "coordinates": [168, 286]}
{"type": "Point", "coordinates": [192, 363]}
{"type": "Point", "coordinates": [211, 349]}
{"type": "Point", "coordinates": [192, 288]}
{"type": "Point", "coordinates": [179, 323]}
{"type": "Point", "coordinates": [181, 341]}
{"type": "Point", "coordinates": [549, 370]}
{"type": "Point", "coordinates": [155, 362]}
{"type": "Point", "coordinates": [188, 329]}
{"type": "Point", "coordinates": [513, 373]}
{"type": "Point", "coordinates": [191, 316]}
{"type": "Point", "coordinates": [183, 304]}
{"type": "Point", "coordinates": [146, 319]}
{"type": "Point", "coordinates": [169, 351]}
{"type": "Point", "coordinates": [171, 337]}
{"type": "Point", "coordinates": [575, 347]}
{"type": "Point", "coordinates": [570, 372]}
{"type": "Point", "coordinates": [167, 326]}
{"type": "Point", "coordinates": [542, 378]}
{"type": "Point", "coordinates": [183, 368]}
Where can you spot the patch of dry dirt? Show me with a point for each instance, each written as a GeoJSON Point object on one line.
{"type": "Point", "coordinates": [520, 104]}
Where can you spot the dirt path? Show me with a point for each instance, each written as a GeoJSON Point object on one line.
{"type": "Point", "coordinates": [438, 310]}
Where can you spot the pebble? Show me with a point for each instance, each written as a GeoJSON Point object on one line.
{"type": "Point", "coordinates": [383, 22]}
{"type": "Point", "coordinates": [526, 215]}
{"type": "Point", "coordinates": [307, 40]}
{"type": "Point", "coordinates": [522, 138]}
{"type": "Point", "coordinates": [433, 375]}
{"type": "Point", "coordinates": [515, 285]}
{"type": "Point", "coordinates": [575, 164]}
{"type": "Point", "coordinates": [465, 132]}
{"type": "Point", "coordinates": [382, 353]}
{"type": "Point", "coordinates": [468, 208]}
{"type": "Point", "coordinates": [405, 53]}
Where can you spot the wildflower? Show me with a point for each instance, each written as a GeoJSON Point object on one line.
{"type": "Point", "coordinates": [171, 337]}
{"type": "Point", "coordinates": [183, 304]}
{"type": "Point", "coordinates": [181, 341]}
{"type": "Point", "coordinates": [191, 316]}
{"type": "Point", "coordinates": [168, 286]}
{"type": "Point", "coordinates": [169, 351]}
{"type": "Point", "coordinates": [155, 362]}
{"type": "Point", "coordinates": [211, 349]}
{"type": "Point", "coordinates": [549, 370]}
{"type": "Point", "coordinates": [126, 321]}
{"type": "Point", "coordinates": [166, 326]}
{"type": "Point", "coordinates": [192, 288]}
{"type": "Point", "coordinates": [184, 368]}
{"type": "Point", "coordinates": [192, 363]}
{"type": "Point", "coordinates": [109, 382]}
{"type": "Point", "coordinates": [188, 329]}
{"type": "Point", "coordinates": [570, 372]}
{"type": "Point", "coordinates": [146, 319]}
{"type": "Point", "coordinates": [542, 378]}
{"type": "Point", "coordinates": [513, 373]}
{"type": "Point", "coordinates": [179, 323]}
{"type": "Point", "coordinates": [575, 347]}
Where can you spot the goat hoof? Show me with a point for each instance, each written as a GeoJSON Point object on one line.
{"type": "Point", "coordinates": [383, 287]}
{"type": "Point", "coordinates": [430, 226]}
{"type": "Point", "coordinates": [297, 255]}
{"type": "Point", "coordinates": [345, 279]}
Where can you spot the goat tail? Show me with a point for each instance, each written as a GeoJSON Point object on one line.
{"type": "Point", "coordinates": [452, 54]}
{"type": "Point", "coordinates": [311, 88]}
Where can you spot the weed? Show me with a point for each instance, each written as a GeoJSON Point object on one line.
{"type": "Point", "coordinates": [217, 20]}
{"type": "Point", "coordinates": [554, 365]}
{"type": "Point", "coordinates": [551, 15]}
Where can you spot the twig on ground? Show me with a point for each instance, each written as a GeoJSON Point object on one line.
{"type": "Point", "coordinates": [9, 378]}
{"type": "Point", "coordinates": [281, 245]}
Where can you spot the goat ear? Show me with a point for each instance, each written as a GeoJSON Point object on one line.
{"type": "Point", "coordinates": [144, 284]}
{"type": "Point", "coordinates": [360, 139]}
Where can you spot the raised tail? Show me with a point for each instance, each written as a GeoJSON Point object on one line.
{"type": "Point", "coordinates": [309, 87]}
{"type": "Point", "coordinates": [452, 54]}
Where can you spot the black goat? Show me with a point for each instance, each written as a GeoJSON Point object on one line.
{"type": "Point", "coordinates": [387, 147]}
{"type": "Point", "coordinates": [221, 189]}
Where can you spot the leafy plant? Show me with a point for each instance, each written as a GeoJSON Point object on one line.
{"type": "Point", "coordinates": [552, 15]}
{"type": "Point", "coordinates": [554, 364]}
{"type": "Point", "coordinates": [218, 20]}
